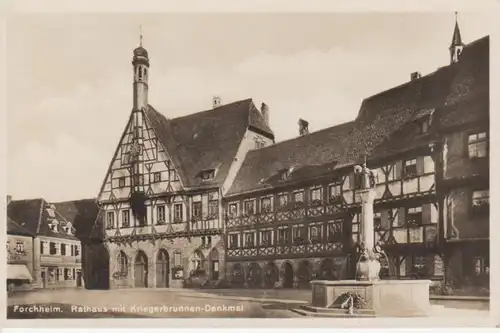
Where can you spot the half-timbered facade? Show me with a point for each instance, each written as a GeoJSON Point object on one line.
{"type": "Point", "coordinates": [161, 198]}
{"type": "Point", "coordinates": [292, 213]}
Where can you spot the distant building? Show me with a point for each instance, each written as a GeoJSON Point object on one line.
{"type": "Point", "coordinates": [19, 256]}
{"type": "Point", "coordinates": [291, 212]}
{"type": "Point", "coordinates": [161, 197]}
{"type": "Point", "coordinates": [56, 252]}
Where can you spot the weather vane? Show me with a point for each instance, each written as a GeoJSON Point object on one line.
{"type": "Point", "coordinates": [140, 28]}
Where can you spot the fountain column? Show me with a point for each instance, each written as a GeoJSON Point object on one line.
{"type": "Point", "coordinates": [368, 265]}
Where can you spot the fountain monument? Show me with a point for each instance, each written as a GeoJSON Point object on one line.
{"type": "Point", "coordinates": [367, 295]}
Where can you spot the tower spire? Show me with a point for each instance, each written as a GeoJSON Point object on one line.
{"type": "Point", "coordinates": [456, 45]}
{"type": "Point", "coordinates": [140, 37]}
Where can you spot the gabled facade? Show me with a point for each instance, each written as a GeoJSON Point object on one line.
{"type": "Point", "coordinates": [161, 198]}
{"type": "Point", "coordinates": [292, 214]}
{"type": "Point", "coordinates": [56, 251]}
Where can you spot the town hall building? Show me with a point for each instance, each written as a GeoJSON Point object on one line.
{"type": "Point", "coordinates": [161, 199]}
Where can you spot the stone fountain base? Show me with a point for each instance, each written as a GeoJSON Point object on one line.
{"type": "Point", "coordinates": [382, 298]}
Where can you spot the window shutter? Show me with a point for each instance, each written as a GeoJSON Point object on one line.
{"type": "Point", "coordinates": [420, 165]}
{"type": "Point", "coordinates": [399, 169]}
{"type": "Point", "coordinates": [401, 216]}
{"type": "Point", "coordinates": [385, 223]}
{"type": "Point", "coordinates": [426, 213]}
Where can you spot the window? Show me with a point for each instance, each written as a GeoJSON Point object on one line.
{"type": "Point", "coordinates": [377, 220]}
{"type": "Point", "coordinates": [52, 248]}
{"type": "Point", "coordinates": [334, 231]}
{"type": "Point", "coordinates": [77, 250]}
{"type": "Point", "coordinates": [157, 177]}
{"type": "Point", "coordinates": [177, 259]}
{"type": "Point", "coordinates": [298, 197]}
{"type": "Point", "coordinates": [480, 267]}
{"type": "Point", "coordinates": [285, 174]}
{"type": "Point", "coordinates": [139, 179]}
{"type": "Point", "coordinates": [197, 210]}
{"type": "Point", "coordinates": [208, 174]}
{"type": "Point", "coordinates": [424, 125]}
{"type": "Point", "coordinates": [233, 210]}
{"type": "Point", "coordinates": [178, 216]}
{"type": "Point", "coordinates": [63, 249]}
{"type": "Point", "coordinates": [335, 191]}
{"type": "Point", "coordinates": [283, 199]}
{"type": "Point", "coordinates": [481, 201]}
{"type": "Point", "coordinates": [125, 218]}
{"type": "Point", "coordinates": [160, 215]}
{"type": "Point", "coordinates": [68, 274]}
{"type": "Point", "coordinates": [410, 168]}
{"type": "Point", "coordinates": [110, 220]}
{"type": "Point", "coordinates": [249, 207]}
{"type": "Point", "coordinates": [283, 236]}
{"type": "Point", "coordinates": [173, 175]}
{"type": "Point", "coordinates": [121, 182]}
{"type": "Point", "coordinates": [316, 196]}
{"type": "Point", "coordinates": [298, 235]}
{"type": "Point", "coordinates": [478, 145]}
{"type": "Point", "coordinates": [213, 208]}
{"type": "Point", "coordinates": [42, 247]}
{"type": "Point", "coordinates": [315, 233]}
{"type": "Point", "coordinates": [19, 247]}
{"type": "Point", "coordinates": [233, 241]}
{"type": "Point", "coordinates": [249, 240]}
{"type": "Point", "coordinates": [265, 205]}
{"type": "Point", "coordinates": [391, 173]}
{"type": "Point", "coordinates": [122, 263]}
{"type": "Point", "coordinates": [259, 144]}
{"type": "Point", "coordinates": [414, 216]}
{"type": "Point", "coordinates": [266, 238]}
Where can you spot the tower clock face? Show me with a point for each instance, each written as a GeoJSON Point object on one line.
{"type": "Point", "coordinates": [135, 149]}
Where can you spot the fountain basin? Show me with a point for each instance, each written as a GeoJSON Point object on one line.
{"type": "Point", "coordinates": [382, 298]}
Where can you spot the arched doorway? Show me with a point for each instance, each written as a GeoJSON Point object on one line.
{"type": "Point", "coordinates": [213, 259]}
{"type": "Point", "coordinates": [327, 270]}
{"type": "Point", "coordinates": [271, 275]}
{"type": "Point", "coordinates": [304, 275]}
{"type": "Point", "coordinates": [197, 263]}
{"type": "Point", "coordinates": [254, 275]}
{"type": "Point", "coordinates": [287, 275]}
{"type": "Point", "coordinates": [162, 269]}
{"type": "Point", "coordinates": [141, 270]}
{"type": "Point", "coordinates": [237, 276]}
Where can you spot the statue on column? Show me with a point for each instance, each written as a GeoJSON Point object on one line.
{"type": "Point", "coordinates": [364, 178]}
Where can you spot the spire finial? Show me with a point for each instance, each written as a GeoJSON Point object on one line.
{"type": "Point", "coordinates": [140, 38]}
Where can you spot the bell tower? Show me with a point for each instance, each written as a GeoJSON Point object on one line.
{"type": "Point", "coordinates": [456, 46]}
{"type": "Point", "coordinates": [140, 62]}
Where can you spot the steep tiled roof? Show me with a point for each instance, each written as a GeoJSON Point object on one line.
{"type": "Point", "coordinates": [383, 125]}
{"type": "Point", "coordinates": [13, 228]}
{"type": "Point", "coordinates": [83, 214]}
{"type": "Point", "coordinates": [207, 140]}
{"type": "Point", "coordinates": [32, 215]}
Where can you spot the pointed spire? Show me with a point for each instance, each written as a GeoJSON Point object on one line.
{"type": "Point", "coordinates": [140, 41]}
{"type": "Point", "coordinates": [457, 37]}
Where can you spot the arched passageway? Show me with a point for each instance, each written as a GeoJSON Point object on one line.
{"type": "Point", "coordinates": [141, 270]}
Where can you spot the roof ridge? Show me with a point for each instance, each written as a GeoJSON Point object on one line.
{"type": "Point", "coordinates": [306, 135]}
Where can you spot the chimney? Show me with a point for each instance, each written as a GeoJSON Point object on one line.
{"type": "Point", "coordinates": [303, 127]}
{"type": "Point", "coordinates": [9, 199]}
{"type": "Point", "coordinates": [415, 76]}
{"type": "Point", "coordinates": [215, 102]}
{"type": "Point", "coordinates": [264, 110]}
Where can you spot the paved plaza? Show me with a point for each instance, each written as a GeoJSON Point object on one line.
{"type": "Point", "coordinates": [172, 303]}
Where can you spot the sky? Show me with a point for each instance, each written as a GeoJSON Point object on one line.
{"type": "Point", "coordinates": [69, 77]}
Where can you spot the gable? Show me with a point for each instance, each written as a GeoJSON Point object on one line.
{"type": "Point", "coordinates": [159, 174]}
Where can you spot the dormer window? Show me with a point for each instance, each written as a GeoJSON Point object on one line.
{"type": "Point", "coordinates": [54, 226]}
{"type": "Point", "coordinates": [68, 228]}
{"type": "Point", "coordinates": [208, 174]}
{"type": "Point", "coordinates": [424, 126]}
{"type": "Point", "coordinates": [51, 211]}
{"type": "Point", "coordinates": [287, 173]}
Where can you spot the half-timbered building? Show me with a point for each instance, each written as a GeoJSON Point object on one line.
{"type": "Point", "coordinates": [161, 197]}
{"type": "Point", "coordinates": [292, 213]}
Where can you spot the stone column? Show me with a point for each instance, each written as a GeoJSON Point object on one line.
{"type": "Point", "coordinates": [367, 227]}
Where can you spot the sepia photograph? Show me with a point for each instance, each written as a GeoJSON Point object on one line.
{"type": "Point", "coordinates": [248, 165]}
